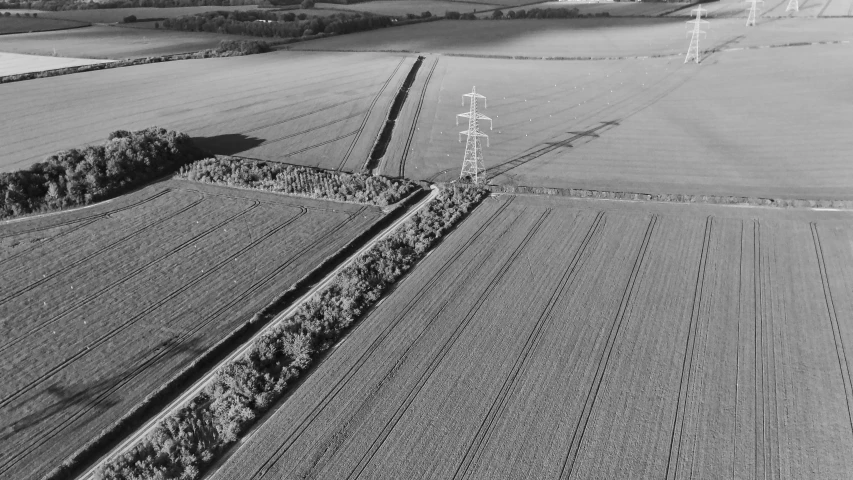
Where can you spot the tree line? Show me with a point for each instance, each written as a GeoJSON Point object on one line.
{"type": "Point", "coordinates": [261, 23]}
{"type": "Point", "coordinates": [296, 180]}
{"type": "Point", "coordinates": [82, 176]}
{"type": "Point", "coordinates": [533, 13]}
{"type": "Point", "coordinates": [188, 441]}
{"type": "Point", "coordinates": [62, 5]}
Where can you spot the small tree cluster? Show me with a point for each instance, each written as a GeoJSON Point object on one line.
{"type": "Point", "coordinates": [295, 180]}
{"type": "Point", "coordinates": [260, 23]}
{"type": "Point", "coordinates": [81, 176]}
{"type": "Point", "coordinates": [187, 442]}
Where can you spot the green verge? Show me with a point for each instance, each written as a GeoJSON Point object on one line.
{"type": "Point", "coordinates": [191, 439]}
{"type": "Point", "coordinates": [298, 180]}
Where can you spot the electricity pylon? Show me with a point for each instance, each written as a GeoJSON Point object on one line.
{"type": "Point", "coordinates": [472, 164]}
{"type": "Point", "coordinates": [693, 49]}
{"type": "Point", "coordinates": [753, 12]}
{"type": "Point", "coordinates": [793, 6]}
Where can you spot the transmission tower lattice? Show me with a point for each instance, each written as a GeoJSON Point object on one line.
{"type": "Point", "coordinates": [753, 12]}
{"type": "Point", "coordinates": [793, 6]}
{"type": "Point", "coordinates": [693, 49]}
{"type": "Point", "coordinates": [472, 164]}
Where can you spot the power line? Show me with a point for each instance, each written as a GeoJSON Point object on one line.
{"type": "Point", "coordinates": [472, 164]}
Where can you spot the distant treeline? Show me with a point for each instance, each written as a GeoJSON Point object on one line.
{"type": "Point", "coordinates": [259, 23]}
{"type": "Point", "coordinates": [82, 176]}
{"type": "Point", "coordinates": [295, 180]}
{"type": "Point", "coordinates": [537, 13]}
{"type": "Point", "coordinates": [57, 5]}
{"type": "Point", "coordinates": [189, 440]}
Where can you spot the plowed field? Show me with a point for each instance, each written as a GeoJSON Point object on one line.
{"type": "Point", "coordinates": [741, 123]}
{"type": "Point", "coordinates": [101, 306]}
{"type": "Point", "coordinates": [321, 110]}
{"type": "Point", "coordinates": [557, 339]}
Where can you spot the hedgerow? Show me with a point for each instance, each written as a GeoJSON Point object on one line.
{"type": "Point", "coordinates": [295, 180]}
{"type": "Point", "coordinates": [82, 176]}
{"type": "Point", "coordinates": [189, 440]}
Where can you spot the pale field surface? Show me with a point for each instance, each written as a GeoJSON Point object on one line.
{"type": "Point", "coordinates": [101, 306]}
{"type": "Point", "coordinates": [13, 63]}
{"type": "Point", "coordinates": [744, 123]}
{"type": "Point", "coordinates": [112, 15]}
{"type": "Point", "coordinates": [323, 110]}
{"type": "Point", "coordinates": [589, 339]}
{"type": "Point", "coordinates": [581, 38]}
{"type": "Point", "coordinates": [13, 24]}
{"type": "Point", "coordinates": [108, 42]}
{"type": "Point", "coordinates": [776, 8]}
{"type": "Point", "coordinates": [402, 7]}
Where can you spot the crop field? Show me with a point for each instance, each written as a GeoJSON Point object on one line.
{"type": "Point", "coordinates": [776, 8]}
{"type": "Point", "coordinates": [589, 340]}
{"type": "Point", "coordinates": [111, 42]}
{"type": "Point", "coordinates": [647, 126]}
{"type": "Point", "coordinates": [321, 110]}
{"type": "Point", "coordinates": [13, 63]}
{"type": "Point", "coordinates": [402, 7]}
{"type": "Point", "coordinates": [101, 306]}
{"type": "Point", "coordinates": [15, 24]}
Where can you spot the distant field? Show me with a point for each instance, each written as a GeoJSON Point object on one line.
{"type": "Point", "coordinates": [105, 42]}
{"type": "Point", "coordinates": [742, 123]}
{"type": "Point", "coordinates": [311, 109]}
{"type": "Point", "coordinates": [101, 306]}
{"type": "Point", "coordinates": [12, 63]}
{"type": "Point", "coordinates": [776, 9]}
{"type": "Point", "coordinates": [589, 340]}
{"type": "Point", "coordinates": [15, 24]}
{"type": "Point", "coordinates": [112, 15]}
{"type": "Point", "coordinates": [402, 7]}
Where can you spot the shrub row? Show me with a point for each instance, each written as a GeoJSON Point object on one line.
{"type": "Point", "coordinates": [295, 180]}
{"type": "Point", "coordinates": [61, 5]}
{"type": "Point", "coordinates": [533, 13]}
{"type": "Point", "coordinates": [78, 177]}
{"type": "Point", "coordinates": [189, 440]}
{"type": "Point", "coordinates": [227, 48]}
{"type": "Point", "coordinates": [259, 23]}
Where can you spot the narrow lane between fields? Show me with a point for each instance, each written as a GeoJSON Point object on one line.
{"type": "Point", "coordinates": [198, 386]}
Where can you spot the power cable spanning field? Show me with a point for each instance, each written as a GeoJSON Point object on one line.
{"type": "Point", "coordinates": [587, 340]}
{"type": "Point", "coordinates": [101, 307]}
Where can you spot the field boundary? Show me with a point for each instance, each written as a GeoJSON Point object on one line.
{"type": "Point", "coordinates": [90, 454]}
{"type": "Point", "coordinates": [84, 25]}
{"type": "Point", "coordinates": [729, 200]}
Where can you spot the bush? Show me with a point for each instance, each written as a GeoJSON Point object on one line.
{"type": "Point", "coordinates": [78, 177]}
{"type": "Point", "coordinates": [191, 439]}
{"type": "Point", "coordinates": [7, 14]}
{"type": "Point", "coordinates": [450, 15]}
{"type": "Point", "coordinates": [468, 16]}
{"type": "Point", "coordinates": [498, 14]}
{"type": "Point", "coordinates": [301, 181]}
{"type": "Point", "coordinates": [426, 15]}
{"type": "Point", "coordinates": [242, 47]}
{"type": "Point", "coordinates": [307, 4]}
{"type": "Point", "coordinates": [35, 15]}
{"type": "Point", "coordinates": [129, 19]}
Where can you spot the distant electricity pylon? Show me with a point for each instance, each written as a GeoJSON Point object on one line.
{"type": "Point", "coordinates": [753, 12]}
{"type": "Point", "coordinates": [693, 49]}
{"type": "Point", "coordinates": [793, 6]}
{"type": "Point", "coordinates": [472, 164]}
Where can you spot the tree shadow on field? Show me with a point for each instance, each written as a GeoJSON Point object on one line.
{"type": "Point", "coordinates": [228, 144]}
{"type": "Point", "coordinates": [77, 404]}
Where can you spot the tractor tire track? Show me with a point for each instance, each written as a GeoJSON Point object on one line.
{"type": "Point", "coordinates": [441, 354]}
{"type": "Point", "coordinates": [677, 434]}
{"type": "Point", "coordinates": [297, 152]}
{"type": "Point", "coordinates": [132, 274]}
{"type": "Point", "coordinates": [329, 444]}
{"type": "Point", "coordinates": [407, 146]}
{"type": "Point", "coordinates": [20, 291]}
{"type": "Point", "coordinates": [758, 349]}
{"type": "Point", "coordinates": [303, 132]}
{"type": "Point", "coordinates": [96, 216]}
{"type": "Point", "coordinates": [843, 365]}
{"type": "Point", "coordinates": [630, 288]}
{"type": "Point", "coordinates": [367, 115]}
{"type": "Point", "coordinates": [499, 404]}
{"type": "Point", "coordinates": [119, 328]}
{"type": "Point", "coordinates": [320, 406]}
{"type": "Point", "coordinates": [297, 117]}
{"type": "Point", "coordinates": [820, 13]}
{"type": "Point", "coordinates": [172, 346]}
